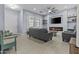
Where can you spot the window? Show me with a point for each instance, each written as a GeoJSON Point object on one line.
{"type": "Point", "coordinates": [34, 22]}
{"type": "Point", "coordinates": [31, 21]}
{"type": "Point", "coordinates": [37, 22]}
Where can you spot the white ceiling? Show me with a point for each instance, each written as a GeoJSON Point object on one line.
{"type": "Point", "coordinates": [39, 7]}
{"type": "Point", "coordinates": [43, 7]}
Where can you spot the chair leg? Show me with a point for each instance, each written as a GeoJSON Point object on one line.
{"type": "Point", "coordinates": [2, 52]}
{"type": "Point", "coordinates": [15, 44]}
{"type": "Point", "coordinates": [15, 48]}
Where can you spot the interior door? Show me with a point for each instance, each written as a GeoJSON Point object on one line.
{"type": "Point", "coordinates": [11, 18]}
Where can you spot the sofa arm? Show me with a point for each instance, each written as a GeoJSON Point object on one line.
{"type": "Point", "coordinates": [46, 36]}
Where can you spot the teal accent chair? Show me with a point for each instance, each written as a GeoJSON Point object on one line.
{"type": "Point", "coordinates": [7, 36]}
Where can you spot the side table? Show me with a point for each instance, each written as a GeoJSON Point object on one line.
{"type": "Point", "coordinates": [72, 46]}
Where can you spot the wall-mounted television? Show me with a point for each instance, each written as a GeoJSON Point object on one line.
{"type": "Point", "coordinates": [56, 20]}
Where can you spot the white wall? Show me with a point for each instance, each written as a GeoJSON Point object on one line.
{"type": "Point", "coordinates": [77, 39]}
{"type": "Point", "coordinates": [1, 17]}
{"type": "Point", "coordinates": [11, 18]}
{"type": "Point", "coordinates": [64, 18]}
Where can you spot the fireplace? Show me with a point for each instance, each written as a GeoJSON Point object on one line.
{"type": "Point", "coordinates": [55, 28]}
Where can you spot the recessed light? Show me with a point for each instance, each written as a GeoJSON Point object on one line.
{"type": "Point", "coordinates": [12, 6]}
{"type": "Point", "coordinates": [34, 9]}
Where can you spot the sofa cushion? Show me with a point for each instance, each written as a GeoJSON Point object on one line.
{"type": "Point", "coordinates": [7, 41]}
{"type": "Point", "coordinates": [41, 34]}
{"type": "Point", "coordinates": [43, 30]}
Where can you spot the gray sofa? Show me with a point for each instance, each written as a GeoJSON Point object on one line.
{"type": "Point", "coordinates": [41, 34]}
{"type": "Point", "coordinates": [66, 35]}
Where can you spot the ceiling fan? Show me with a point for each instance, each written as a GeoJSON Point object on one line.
{"type": "Point", "coordinates": [51, 10]}
{"type": "Point", "coordinates": [48, 10]}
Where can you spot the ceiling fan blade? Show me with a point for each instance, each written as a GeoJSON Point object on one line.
{"type": "Point", "coordinates": [48, 7]}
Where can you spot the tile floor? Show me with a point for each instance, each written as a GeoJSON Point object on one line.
{"type": "Point", "coordinates": [26, 45]}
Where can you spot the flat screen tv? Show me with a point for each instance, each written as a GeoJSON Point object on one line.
{"type": "Point", "coordinates": [56, 20]}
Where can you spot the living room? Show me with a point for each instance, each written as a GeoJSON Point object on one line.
{"type": "Point", "coordinates": [40, 28]}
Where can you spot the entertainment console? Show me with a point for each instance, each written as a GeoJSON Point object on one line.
{"type": "Point", "coordinates": [55, 28]}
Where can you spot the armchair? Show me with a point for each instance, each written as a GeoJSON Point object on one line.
{"type": "Point", "coordinates": [66, 35]}
{"type": "Point", "coordinates": [7, 41]}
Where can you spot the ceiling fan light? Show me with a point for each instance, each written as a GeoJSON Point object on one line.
{"type": "Point", "coordinates": [49, 11]}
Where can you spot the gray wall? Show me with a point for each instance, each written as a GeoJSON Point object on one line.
{"type": "Point", "coordinates": [21, 22]}
{"type": "Point", "coordinates": [1, 17]}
